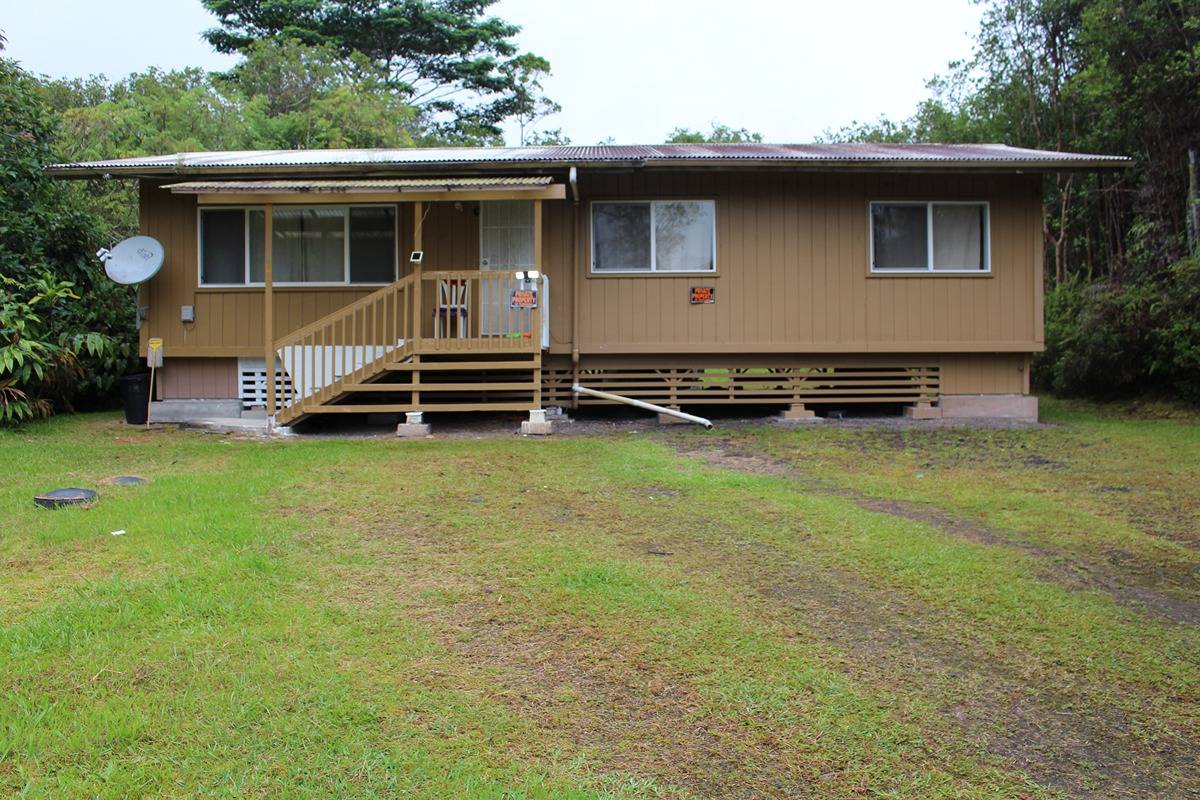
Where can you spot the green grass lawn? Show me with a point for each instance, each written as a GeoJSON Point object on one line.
{"type": "Point", "coordinates": [755, 611]}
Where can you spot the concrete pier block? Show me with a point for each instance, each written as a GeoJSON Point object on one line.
{"type": "Point", "coordinates": [414, 426]}
{"type": "Point", "coordinates": [537, 424]}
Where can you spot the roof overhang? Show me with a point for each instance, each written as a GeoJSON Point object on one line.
{"type": "Point", "coordinates": [376, 190]}
{"type": "Point", "coordinates": [555, 160]}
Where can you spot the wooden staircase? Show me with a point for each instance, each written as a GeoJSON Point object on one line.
{"type": "Point", "coordinates": [385, 354]}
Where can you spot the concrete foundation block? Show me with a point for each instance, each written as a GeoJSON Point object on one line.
{"type": "Point", "coordinates": [414, 426]}
{"type": "Point", "coordinates": [798, 414]}
{"type": "Point", "coordinates": [537, 424]}
{"type": "Point", "coordinates": [667, 419]}
{"type": "Point", "coordinates": [409, 430]}
{"type": "Point", "coordinates": [194, 410]}
{"type": "Point", "coordinates": [922, 411]}
{"type": "Point", "coordinates": [1020, 407]}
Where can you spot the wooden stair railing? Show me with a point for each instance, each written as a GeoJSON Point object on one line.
{"type": "Point", "coordinates": [349, 346]}
{"type": "Point", "coordinates": [450, 314]}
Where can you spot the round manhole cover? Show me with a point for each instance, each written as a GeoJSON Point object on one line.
{"type": "Point", "coordinates": [64, 497]}
{"type": "Point", "coordinates": [128, 480]}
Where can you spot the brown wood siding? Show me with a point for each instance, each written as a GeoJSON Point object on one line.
{"type": "Point", "coordinates": [793, 275]}
{"type": "Point", "coordinates": [994, 373]}
{"type": "Point", "coordinates": [198, 379]}
{"type": "Point", "coordinates": [792, 272]}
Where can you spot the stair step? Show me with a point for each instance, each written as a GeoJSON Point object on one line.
{"type": "Point", "coordinates": [424, 366]}
{"type": "Point", "coordinates": [389, 408]}
{"type": "Point", "coordinates": [481, 386]}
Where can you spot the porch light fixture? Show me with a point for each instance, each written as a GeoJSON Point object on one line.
{"type": "Point", "coordinates": [520, 276]}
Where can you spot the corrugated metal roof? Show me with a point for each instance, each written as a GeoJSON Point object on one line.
{"type": "Point", "coordinates": [374, 184]}
{"type": "Point", "coordinates": [446, 158]}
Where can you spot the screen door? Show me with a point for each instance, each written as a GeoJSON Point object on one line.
{"type": "Point", "coordinates": [505, 244]}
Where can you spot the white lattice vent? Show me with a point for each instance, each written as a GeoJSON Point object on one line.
{"type": "Point", "coordinates": [252, 382]}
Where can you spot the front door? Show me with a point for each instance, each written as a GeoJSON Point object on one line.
{"type": "Point", "coordinates": [505, 245]}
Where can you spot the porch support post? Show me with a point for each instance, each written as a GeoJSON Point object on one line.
{"type": "Point", "coordinates": [418, 311]}
{"type": "Point", "coordinates": [269, 309]}
{"type": "Point", "coordinates": [418, 308]}
{"type": "Point", "coordinates": [540, 310]}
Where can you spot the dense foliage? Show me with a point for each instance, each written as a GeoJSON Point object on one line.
{"type": "Point", "coordinates": [1106, 76]}
{"type": "Point", "coordinates": [64, 331]}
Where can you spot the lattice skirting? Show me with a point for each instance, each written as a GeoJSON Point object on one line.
{"type": "Point", "coordinates": [841, 381]}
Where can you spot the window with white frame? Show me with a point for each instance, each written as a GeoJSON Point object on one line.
{"type": "Point", "coordinates": [311, 245]}
{"type": "Point", "coordinates": [654, 236]}
{"type": "Point", "coordinates": [950, 236]}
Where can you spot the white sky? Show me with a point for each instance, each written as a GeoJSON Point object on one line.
{"type": "Point", "coordinates": [629, 69]}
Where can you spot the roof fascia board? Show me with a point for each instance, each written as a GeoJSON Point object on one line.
{"type": "Point", "coordinates": [499, 167]}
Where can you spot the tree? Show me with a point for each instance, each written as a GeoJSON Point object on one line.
{"type": "Point", "coordinates": [718, 134]}
{"type": "Point", "coordinates": [460, 68]}
{"type": "Point", "coordinates": [53, 346]}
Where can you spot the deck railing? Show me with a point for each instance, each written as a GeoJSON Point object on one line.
{"type": "Point", "coordinates": [445, 311]}
{"type": "Point", "coordinates": [475, 311]}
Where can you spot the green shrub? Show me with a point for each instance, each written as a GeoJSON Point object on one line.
{"type": "Point", "coordinates": [1120, 339]}
{"type": "Point", "coordinates": [38, 366]}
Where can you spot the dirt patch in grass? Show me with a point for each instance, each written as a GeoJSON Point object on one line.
{"type": "Point", "coordinates": [1128, 581]}
{"type": "Point", "coordinates": [630, 712]}
{"type": "Point", "coordinates": [1059, 740]}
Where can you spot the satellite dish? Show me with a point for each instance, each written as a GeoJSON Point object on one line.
{"type": "Point", "coordinates": [134, 260]}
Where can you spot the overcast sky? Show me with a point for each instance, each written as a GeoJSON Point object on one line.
{"type": "Point", "coordinates": [627, 69]}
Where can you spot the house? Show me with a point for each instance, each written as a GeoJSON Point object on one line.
{"type": "Point", "coordinates": [420, 280]}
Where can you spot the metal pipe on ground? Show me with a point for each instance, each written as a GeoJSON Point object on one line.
{"type": "Point", "coordinates": [629, 401]}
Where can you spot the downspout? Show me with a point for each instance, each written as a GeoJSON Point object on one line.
{"type": "Point", "coordinates": [573, 179]}
{"type": "Point", "coordinates": [629, 401]}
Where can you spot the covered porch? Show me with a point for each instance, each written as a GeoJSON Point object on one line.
{"type": "Point", "coordinates": [461, 339]}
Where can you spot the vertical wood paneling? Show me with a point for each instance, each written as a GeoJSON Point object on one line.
{"type": "Point", "coordinates": [198, 379]}
{"type": "Point", "coordinates": [792, 252]}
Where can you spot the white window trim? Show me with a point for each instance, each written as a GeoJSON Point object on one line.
{"type": "Point", "coordinates": [928, 205]}
{"type": "Point", "coordinates": [345, 282]}
{"type": "Point", "coordinates": [653, 270]}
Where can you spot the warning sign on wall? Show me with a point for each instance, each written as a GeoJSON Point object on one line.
{"type": "Point", "coordinates": [703, 295]}
{"type": "Point", "coordinates": [523, 298]}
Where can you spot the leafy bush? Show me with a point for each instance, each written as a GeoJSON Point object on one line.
{"type": "Point", "coordinates": [1120, 339]}
{"type": "Point", "coordinates": [38, 367]}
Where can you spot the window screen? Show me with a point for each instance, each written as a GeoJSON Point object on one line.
{"type": "Point", "coordinates": [373, 244]}
{"type": "Point", "coordinates": [256, 224]}
{"type": "Point", "coordinates": [948, 236]}
{"type": "Point", "coordinates": [309, 245]}
{"type": "Point", "coordinates": [683, 236]}
{"type": "Point", "coordinates": [958, 236]}
{"type": "Point", "coordinates": [900, 236]}
{"type": "Point", "coordinates": [656, 236]}
{"type": "Point", "coordinates": [621, 236]}
{"type": "Point", "coordinates": [222, 246]}
{"type": "Point", "coordinates": [506, 234]}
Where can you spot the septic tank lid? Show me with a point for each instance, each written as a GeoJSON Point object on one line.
{"type": "Point", "coordinates": [64, 497]}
